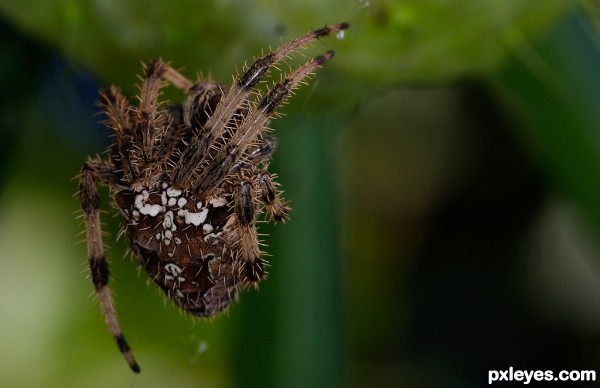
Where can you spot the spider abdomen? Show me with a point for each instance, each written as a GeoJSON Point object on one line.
{"type": "Point", "coordinates": [185, 245]}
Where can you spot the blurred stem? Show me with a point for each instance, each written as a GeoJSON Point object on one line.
{"type": "Point", "coordinates": [309, 352]}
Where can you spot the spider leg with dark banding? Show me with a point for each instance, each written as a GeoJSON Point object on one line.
{"type": "Point", "coordinates": [99, 269]}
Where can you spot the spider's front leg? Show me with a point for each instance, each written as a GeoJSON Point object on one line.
{"type": "Point", "coordinates": [95, 171]}
{"type": "Point", "coordinates": [237, 96]}
{"type": "Point", "coordinates": [253, 126]}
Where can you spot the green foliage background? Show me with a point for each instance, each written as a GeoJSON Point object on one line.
{"type": "Point", "coordinates": [443, 170]}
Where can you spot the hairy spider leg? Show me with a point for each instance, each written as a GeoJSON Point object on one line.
{"type": "Point", "coordinates": [156, 132]}
{"type": "Point", "coordinates": [148, 113]}
{"type": "Point", "coordinates": [99, 269]}
{"type": "Point", "coordinates": [177, 79]}
{"type": "Point", "coordinates": [237, 95]}
{"type": "Point", "coordinates": [118, 110]}
{"type": "Point", "coordinates": [245, 211]}
{"type": "Point", "coordinates": [270, 196]}
{"type": "Point", "coordinates": [245, 195]}
{"type": "Point", "coordinates": [254, 124]}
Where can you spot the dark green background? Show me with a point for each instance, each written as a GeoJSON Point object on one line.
{"type": "Point", "coordinates": [443, 169]}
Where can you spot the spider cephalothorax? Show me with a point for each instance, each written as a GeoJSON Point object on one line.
{"type": "Point", "coordinates": [190, 180]}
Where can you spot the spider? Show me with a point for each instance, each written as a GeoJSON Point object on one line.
{"type": "Point", "coordinates": [190, 181]}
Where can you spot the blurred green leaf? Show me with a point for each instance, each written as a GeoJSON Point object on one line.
{"type": "Point", "coordinates": [555, 89]}
{"type": "Point", "coordinates": [411, 40]}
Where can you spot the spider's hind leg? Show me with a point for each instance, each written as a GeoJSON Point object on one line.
{"type": "Point", "coordinates": [270, 196]}
{"type": "Point", "coordinates": [245, 211]}
{"type": "Point", "coordinates": [90, 202]}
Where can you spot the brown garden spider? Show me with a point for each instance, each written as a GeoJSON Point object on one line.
{"type": "Point", "coordinates": [190, 181]}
